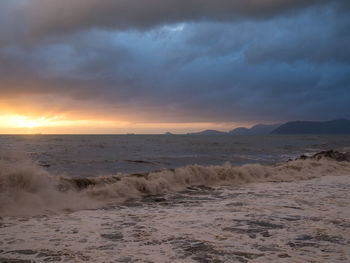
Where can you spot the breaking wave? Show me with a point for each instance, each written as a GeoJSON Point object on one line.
{"type": "Point", "coordinates": [27, 189]}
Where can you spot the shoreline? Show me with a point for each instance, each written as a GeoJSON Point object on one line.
{"type": "Point", "coordinates": [259, 222]}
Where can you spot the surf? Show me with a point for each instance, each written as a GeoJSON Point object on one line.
{"type": "Point", "coordinates": [26, 188]}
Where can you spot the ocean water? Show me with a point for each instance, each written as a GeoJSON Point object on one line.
{"type": "Point", "coordinates": [173, 198]}
{"type": "Point", "coordinates": [94, 155]}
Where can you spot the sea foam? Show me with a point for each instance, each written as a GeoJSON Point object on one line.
{"type": "Point", "coordinates": [26, 188]}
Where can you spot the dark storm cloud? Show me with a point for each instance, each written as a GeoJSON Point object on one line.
{"type": "Point", "coordinates": [36, 18]}
{"type": "Point", "coordinates": [236, 61]}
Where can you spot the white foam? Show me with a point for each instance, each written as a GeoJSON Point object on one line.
{"type": "Point", "coordinates": [26, 188]}
{"type": "Point", "coordinates": [299, 221]}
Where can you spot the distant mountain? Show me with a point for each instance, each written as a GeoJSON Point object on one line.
{"type": "Point", "coordinates": [340, 126]}
{"type": "Point", "coordinates": [259, 129]}
{"type": "Point", "coordinates": [208, 132]}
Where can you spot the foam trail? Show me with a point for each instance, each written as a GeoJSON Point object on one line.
{"type": "Point", "coordinates": [25, 188]}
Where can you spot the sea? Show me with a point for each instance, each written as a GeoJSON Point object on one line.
{"type": "Point", "coordinates": [173, 198]}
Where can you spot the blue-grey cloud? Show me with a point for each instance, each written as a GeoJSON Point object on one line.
{"type": "Point", "coordinates": [63, 15]}
{"type": "Point", "coordinates": [233, 61]}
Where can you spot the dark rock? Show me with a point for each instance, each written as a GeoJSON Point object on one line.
{"type": "Point", "coordinates": [333, 155]}
{"type": "Point", "coordinates": [337, 156]}
{"type": "Point", "coordinates": [303, 157]}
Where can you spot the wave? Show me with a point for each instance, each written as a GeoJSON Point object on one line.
{"type": "Point", "coordinates": [27, 189]}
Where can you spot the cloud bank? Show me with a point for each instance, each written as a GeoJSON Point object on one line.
{"type": "Point", "coordinates": [178, 61]}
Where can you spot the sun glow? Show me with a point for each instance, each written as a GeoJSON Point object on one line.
{"type": "Point", "coordinates": [19, 124]}
{"type": "Point", "coordinates": [19, 121]}
{"type": "Point", "coordinates": [25, 122]}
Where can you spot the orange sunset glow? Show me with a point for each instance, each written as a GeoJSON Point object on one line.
{"type": "Point", "coordinates": [55, 115]}
{"type": "Point", "coordinates": [22, 124]}
{"type": "Point", "coordinates": [18, 121]}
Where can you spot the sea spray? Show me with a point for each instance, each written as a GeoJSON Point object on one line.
{"type": "Point", "coordinates": [26, 188]}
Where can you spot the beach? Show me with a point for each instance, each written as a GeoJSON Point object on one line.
{"type": "Point", "coordinates": [286, 210]}
{"type": "Point", "coordinates": [301, 221]}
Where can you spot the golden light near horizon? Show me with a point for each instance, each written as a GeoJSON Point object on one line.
{"type": "Point", "coordinates": [78, 124]}
{"type": "Point", "coordinates": [20, 121]}
{"type": "Point", "coordinates": [22, 124]}
{"type": "Point", "coordinates": [25, 122]}
{"type": "Point", "coordinates": [29, 122]}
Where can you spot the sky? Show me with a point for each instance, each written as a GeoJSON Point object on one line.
{"type": "Point", "coordinates": [151, 66]}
